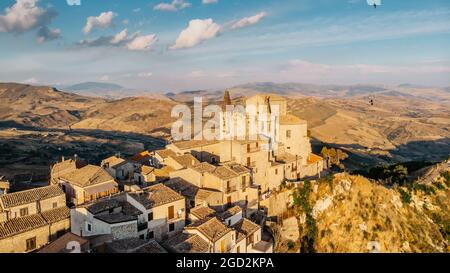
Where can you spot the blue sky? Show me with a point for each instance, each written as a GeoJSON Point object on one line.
{"type": "Point", "coordinates": [173, 45]}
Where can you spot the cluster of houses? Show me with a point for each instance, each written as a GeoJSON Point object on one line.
{"type": "Point", "coordinates": [194, 196]}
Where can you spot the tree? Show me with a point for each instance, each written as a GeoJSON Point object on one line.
{"type": "Point", "coordinates": [324, 152]}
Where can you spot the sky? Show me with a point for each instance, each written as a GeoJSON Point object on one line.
{"type": "Point", "coordinates": [176, 45]}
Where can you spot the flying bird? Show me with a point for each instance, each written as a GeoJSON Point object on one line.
{"type": "Point", "coordinates": [374, 3]}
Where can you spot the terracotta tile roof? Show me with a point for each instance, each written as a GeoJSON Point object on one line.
{"type": "Point", "coordinates": [113, 162]}
{"type": "Point", "coordinates": [187, 243]}
{"type": "Point", "coordinates": [152, 247]}
{"type": "Point", "coordinates": [202, 212]}
{"type": "Point", "coordinates": [246, 227]}
{"type": "Point", "coordinates": [4, 185]}
{"type": "Point", "coordinates": [60, 244]}
{"type": "Point", "coordinates": [237, 168]}
{"type": "Point", "coordinates": [204, 194]}
{"type": "Point", "coordinates": [29, 196]}
{"type": "Point", "coordinates": [286, 157]}
{"type": "Point", "coordinates": [186, 160]}
{"type": "Point", "coordinates": [27, 223]}
{"type": "Point", "coordinates": [56, 215]}
{"type": "Point", "coordinates": [182, 186]}
{"type": "Point", "coordinates": [291, 120]}
{"type": "Point", "coordinates": [141, 156]}
{"type": "Point", "coordinates": [163, 172]}
{"type": "Point", "coordinates": [156, 195]}
{"type": "Point", "coordinates": [88, 175]}
{"type": "Point", "coordinates": [102, 205]}
{"type": "Point", "coordinates": [212, 228]}
{"type": "Point", "coordinates": [203, 167]}
{"type": "Point", "coordinates": [145, 170]}
{"type": "Point", "coordinates": [165, 153]}
{"type": "Point", "coordinates": [230, 212]}
{"type": "Point", "coordinates": [313, 158]}
{"type": "Point", "coordinates": [115, 218]}
{"type": "Point", "coordinates": [20, 225]}
{"type": "Point", "coordinates": [224, 172]}
{"type": "Point", "coordinates": [66, 165]}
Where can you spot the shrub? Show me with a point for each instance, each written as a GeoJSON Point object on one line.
{"type": "Point", "coordinates": [405, 196]}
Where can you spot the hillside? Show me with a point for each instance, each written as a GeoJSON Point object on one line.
{"type": "Point", "coordinates": [137, 114]}
{"type": "Point", "coordinates": [41, 106]}
{"type": "Point", "coordinates": [352, 214]}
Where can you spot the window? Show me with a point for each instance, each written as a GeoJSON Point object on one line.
{"type": "Point", "coordinates": [238, 249]}
{"type": "Point", "coordinates": [171, 227]}
{"type": "Point", "coordinates": [151, 234]}
{"type": "Point", "coordinates": [244, 181]}
{"type": "Point", "coordinates": [23, 212]}
{"type": "Point", "coordinates": [89, 227]}
{"type": "Point", "coordinates": [31, 244]}
{"type": "Point", "coordinates": [276, 171]}
{"type": "Point", "coordinates": [142, 236]}
{"type": "Point", "coordinates": [55, 205]}
{"type": "Point", "coordinates": [171, 212]}
{"type": "Point", "coordinates": [192, 203]}
{"type": "Point", "coordinates": [150, 216]}
{"type": "Point", "coordinates": [248, 161]}
{"type": "Point", "coordinates": [288, 134]}
{"type": "Point", "coordinates": [248, 148]}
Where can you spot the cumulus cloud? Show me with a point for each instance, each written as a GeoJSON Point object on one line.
{"type": "Point", "coordinates": [135, 41]}
{"type": "Point", "coordinates": [197, 31]}
{"type": "Point", "coordinates": [120, 37]}
{"type": "Point", "coordinates": [25, 15]}
{"type": "Point", "coordinates": [45, 34]}
{"type": "Point", "coordinates": [142, 43]}
{"type": "Point", "coordinates": [175, 5]}
{"type": "Point", "coordinates": [206, 2]}
{"type": "Point", "coordinates": [104, 20]}
{"type": "Point", "coordinates": [248, 21]}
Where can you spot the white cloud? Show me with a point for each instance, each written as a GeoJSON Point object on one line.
{"type": "Point", "coordinates": [46, 34]}
{"type": "Point", "coordinates": [137, 10]}
{"type": "Point", "coordinates": [104, 20]}
{"type": "Point", "coordinates": [32, 80]}
{"type": "Point", "coordinates": [197, 31]}
{"type": "Point", "coordinates": [248, 21]}
{"type": "Point", "coordinates": [120, 37]}
{"type": "Point", "coordinates": [206, 2]}
{"type": "Point", "coordinates": [142, 43]}
{"type": "Point", "coordinates": [25, 15]}
{"type": "Point", "coordinates": [175, 5]}
{"type": "Point", "coordinates": [145, 74]}
{"type": "Point", "coordinates": [135, 41]}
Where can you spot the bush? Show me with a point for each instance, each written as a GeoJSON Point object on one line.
{"type": "Point", "coordinates": [290, 244]}
{"type": "Point", "coordinates": [405, 196]}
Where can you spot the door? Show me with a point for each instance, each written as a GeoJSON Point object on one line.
{"type": "Point", "coordinates": [222, 246]}
{"type": "Point", "coordinates": [171, 212]}
{"type": "Point", "coordinates": [229, 201]}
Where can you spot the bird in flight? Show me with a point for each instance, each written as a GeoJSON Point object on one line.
{"type": "Point", "coordinates": [374, 3]}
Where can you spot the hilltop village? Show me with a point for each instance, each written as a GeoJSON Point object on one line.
{"type": "Point", "coordinates": [194, 196]}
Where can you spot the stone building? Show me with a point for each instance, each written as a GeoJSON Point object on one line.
{"type": "Point", "coordinates": [164, 210]}
{"type": "Point", "coordinates": [31, 219]}
{"type": "Point", "coordinates": [87, 184]}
